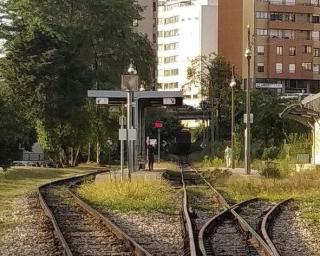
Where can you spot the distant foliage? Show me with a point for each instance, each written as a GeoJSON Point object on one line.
{"type": "Point", "coordinates": [57, 50]}
{"type": "Point", "coordinates": [270, 153]}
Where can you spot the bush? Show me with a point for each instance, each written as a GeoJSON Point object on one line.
{"type": "Point", "coordinates": [213, 162]}
{"type": "Point", "coordinates": [270, 172]}
{"type": "Point", "coordinates": [270, 153]}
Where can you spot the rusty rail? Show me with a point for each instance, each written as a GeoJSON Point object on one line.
{"type": "Point", "coordinates": [131, 243]}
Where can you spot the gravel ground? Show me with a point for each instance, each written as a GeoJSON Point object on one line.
{"type": "Point", "coordinates": [293, 236]}
{"type": "Point", "coordinates": [32, 233]}
{"type": "Point", "coordinates": [159, 233]}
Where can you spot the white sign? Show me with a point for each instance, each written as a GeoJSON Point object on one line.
{"type": "Point", "coordinates": [122, 134]}
{"type": "Point", "coordinates": [169, 101]}
{"type": "Point", "coordinates": [132, 134]}
{"type": "Point", "coordinates": [122, 121]}
{"type": "Point", "coordinates": [245, 118]}
{"type": "Point", "coordinates": [102, 101]}
{"type": "Point", "coordinates": [269, 86]}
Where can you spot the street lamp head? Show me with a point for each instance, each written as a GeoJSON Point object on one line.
{"type": "Point", "coordinates": [142, 87]}
{"type": "Point", "coordinates": [233, 82]}
{"type": "Point", "coordinates": [248, 53]}
{"type": "Point", "coordinates": [132, 70]}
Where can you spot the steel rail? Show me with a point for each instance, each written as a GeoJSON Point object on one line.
{"type": "Point", "coordinates": [262, 245]}
{"type": "Point", "coordinates": [188, 223]}
{"type": "Point", "coordinates": [266, 224]}
{"type": "Point", "coordinates": [131, 243]}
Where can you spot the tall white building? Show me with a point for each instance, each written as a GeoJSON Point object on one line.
{"type": "Point", "coordinates": [186, 29]}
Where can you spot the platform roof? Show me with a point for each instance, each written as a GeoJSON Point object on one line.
{"type": "Point", "coordinates": [305, 112]}
{"type": "Point", "coordinates": [148, 98]}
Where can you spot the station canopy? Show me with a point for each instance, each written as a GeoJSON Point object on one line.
{"type": "Point", "coordinates": [305, 112]}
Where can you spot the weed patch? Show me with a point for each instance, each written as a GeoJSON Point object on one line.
{"type": "Point", "coordinates": [140, 195]}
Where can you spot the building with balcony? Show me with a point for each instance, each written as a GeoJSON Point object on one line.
{"type": "Point", "coordinates": [285, 42]}
{"type": "Point", "coordinates": [186, 29]}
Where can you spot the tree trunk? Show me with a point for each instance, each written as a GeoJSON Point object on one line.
{"type": "Point", "coordinates": [98, 152]}
{"type": "Point", "coordinates": [71, 156]}
{"type": "Point", "coordinates": [75, 160]}
{"type": "Point", "coordinates": [212, 123]}
{"type": "Point", "coordinates": [89, 153]}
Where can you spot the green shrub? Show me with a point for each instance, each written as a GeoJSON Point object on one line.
{"type": "Point", "coordinates": [270, 172]}
{"type": "Point", "coordinates": [270, 153]}
{"type": "Point", "coordinates": [212, 162]}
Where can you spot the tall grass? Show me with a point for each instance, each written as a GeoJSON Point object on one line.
{"type": "Point", "coordinates": [140, 195]}
{"type": "Point", "coordinates": [300, 186]}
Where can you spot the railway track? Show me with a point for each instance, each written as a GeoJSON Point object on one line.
{"type": "Point", "coordinates": [226, 232]}
{"type": "Point", "coordinates": [268, 223]}
{"type": "Point", "coordinates": [81, 229]}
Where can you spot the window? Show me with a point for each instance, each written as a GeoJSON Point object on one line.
{"type": "Point", "coordinates": [170, 85]}
{"type": "Point", "coordinates": [278, 68]}
{"type": "Point", "coordinates": [275, 33]}
{"type": "Point", "coordinates": [316, 68]}
{"type": "Point", "coordinates": [315, 35]}
{"type": "Point", "coordinates": [171, 46]}
{"type": "Point", "coordinates": [170, 20]}
{"type": "Point", "coordinates": [260, 50]}
{"type": "Point", "coordinates": [290, 2]}
{"type": "Point", "coordinates": [316, 52]}
{"type": "Point", "coordinates": [160, 33]}
{"type": "Point", "coordinates": [307, 66]}
{"type": "Point", "coordinates": [289, 17]}
{"type": "Point", "coordinates": [279, 50]}
{"type": "Point", "coordinates": [292, 51]}
{"type": "Point", "coordinates": [170, 59]}
{"type": "Point", "coordinates": [288, 34]}
{"type": "Point", "coordinates": [315, 19]}
{"type": "Point", "coordinates": [307, 49]}
{"type": "Point", "coordinates": [262, 32]}
{"type": "Point", "coordinates": [260, 67]}
{"type": "Point", "coordinates": [262, 15]}
{"type": "Point", "coordinates": [171, 33]}
{"type": "Point", "coordinates": [292, 68]}
{"type": "Point", "coordinates": [171, 72]}
{"type": "Point", "coordinates": [276, 16]}
{"type": "Point", "coordinates": [315, 2]}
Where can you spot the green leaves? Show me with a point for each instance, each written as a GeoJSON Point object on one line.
{"type": "Point", "coordinates": [56, 50]}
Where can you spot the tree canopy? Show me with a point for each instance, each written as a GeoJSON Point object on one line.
{"type": "Point", "coordinates": [56, 50]}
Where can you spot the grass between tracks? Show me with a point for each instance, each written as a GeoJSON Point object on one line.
{"type": "Point", "coordinates": [139, 195]}
{"type": "Point", "coordinates": [304, 187]}
{"type": "Point", "coordinates": [19, 182]}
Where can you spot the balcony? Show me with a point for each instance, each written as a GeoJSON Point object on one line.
{"type": "Point", "coordinates": [297, 8]}
{"type": "Point", "coordinates": [298, 25]}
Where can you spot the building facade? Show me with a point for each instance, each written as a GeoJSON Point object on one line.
{"type": "Point", "coordinates": [148, 25]}
{"type": "Point", "coordinates": [285, 42]}
{"type": "Point", "coordinates": [186, 30]}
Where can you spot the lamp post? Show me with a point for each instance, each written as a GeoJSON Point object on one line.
{"type": "Point", "coordinates": [247, 160]}
{"type": "Point", "coordinates": [232, 85]}
{"type": "Point", "coordinates": [133, 83]}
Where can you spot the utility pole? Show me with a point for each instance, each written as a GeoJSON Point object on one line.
{"type": "Point", "coordinates": [247, 160]}
{"type": "Point", "coordinates": [159, 144]}
{"type": "Point", "coordinates": [232, 85]}
{"type": "Point", "coordinates": [129, 124]}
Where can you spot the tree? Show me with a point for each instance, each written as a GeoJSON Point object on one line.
{"type": "Point", "coordinates": [15, 131]}
{"type": "Point", "coordinates": [213, 73]}
{"type": "Point", "coordinates": [56, 51]}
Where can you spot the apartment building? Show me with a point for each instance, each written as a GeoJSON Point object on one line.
{"type": "Point", "coordinates": [285, 42]}
{"type": "Point", "coordinates": [186, 29]}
